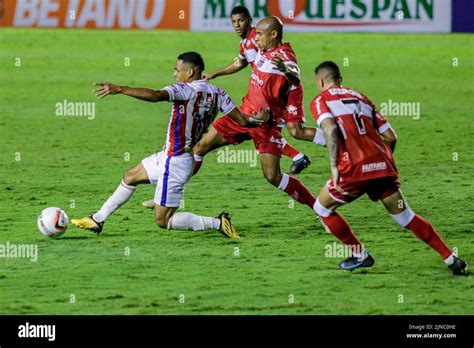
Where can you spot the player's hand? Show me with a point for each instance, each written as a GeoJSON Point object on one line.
{"type": "Point", "coordinates": [263, 115]}
{"type": "Point", "coordinates": [208, 76]}
{"type": "Point", "coordinates": [335, 178]}
{"type": "Point", "coordinates": [279, 63]}
{"type": "Point", "coordinates": [105, 89]}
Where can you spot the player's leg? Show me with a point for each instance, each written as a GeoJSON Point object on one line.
{"type": "Point", "coordinates": [209, 142]}
{"type": "Point", "coordinates": [333, 222]}
{"type": "Point", "coordinates": [126, 188]}
{"type": "Point", "coordinates": [398, 208]}
{"type": "Point", "coordinates": [299, 160]}
{"type": "Point", "coordinates": [174, 174]}
{"type": "Point", "coordinates": [293, 187]}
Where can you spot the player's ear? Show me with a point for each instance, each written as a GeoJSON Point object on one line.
{"type": "Point", "coordinates": [190, 71]}
{"type": "Point", "coordinates": [274, 34]}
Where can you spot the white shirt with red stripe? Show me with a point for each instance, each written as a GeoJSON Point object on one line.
{"type": "Point", "coordinates": [362, 153]}
{"type": "Point", "coordinates": [195, 106]}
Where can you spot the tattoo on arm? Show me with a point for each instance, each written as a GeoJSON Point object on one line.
{"type": "Point", "coordinates": [330, 135]}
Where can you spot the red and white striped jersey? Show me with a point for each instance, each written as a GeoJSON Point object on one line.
{"type": "Point", "coordinates": [195, 106]}
{"type": "Point", "coordinates": [248, 47]}
{"type": "Point", "coordinates": [268, 86]}
{"type": "Point", "coordinates": [362, 153]}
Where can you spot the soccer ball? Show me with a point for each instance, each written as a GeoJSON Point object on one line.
{"type": "Point", "coordinates": [53, 222]}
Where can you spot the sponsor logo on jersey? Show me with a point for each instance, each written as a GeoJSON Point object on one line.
{"type": "Point", "coordinates": [256, 80]}
{"type": "Point", "coordinates": [372, 167]}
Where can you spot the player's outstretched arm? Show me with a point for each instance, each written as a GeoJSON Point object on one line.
{"type": "Point", "coordinates": [329, 128]}
{"type": "Point", "coordinates": [390, 138]}
{"type": "Point", "coordinates": [256, 120]}
{"type": "Point", "coordinates": [147, 94]}
{"type": "Point", "coordinates": [230, 69]}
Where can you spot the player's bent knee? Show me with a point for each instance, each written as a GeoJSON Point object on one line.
{"type": "Point", "coordinates": [129, 177]}
{"type": "Point", "coordinates": [405, 217]}
{"type": "Point", "coordinates": [161, 221]}
{"type": "Point", "coordinates": [273, 178]}
{"type": "Point", "coordinates": [321, 210]}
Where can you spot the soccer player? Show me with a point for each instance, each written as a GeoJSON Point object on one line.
{"type": "Point", "coordinates": [293, 116]}
{"type": "Point", "coordinates": [268, 88]}
{"type": "Point", "coordinates": [196, 103]}
{"type": "Point", "coordinates": [360, 143]}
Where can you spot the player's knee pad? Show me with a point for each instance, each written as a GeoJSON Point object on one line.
{"type": "Point", "coordinates": [320, 210]}
{"type": "Point", "coordinates": [405, 217]}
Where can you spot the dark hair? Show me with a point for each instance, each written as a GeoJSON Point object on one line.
{"type": "Point", "coordinates": [193, 58]}
{"type": "Point", "coordinates": [331, 69]}
{"type": "Point", "coordinates": [241, 10]}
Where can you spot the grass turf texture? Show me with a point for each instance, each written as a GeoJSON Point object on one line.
{"type": "Point", "coordinates": [282, 253]}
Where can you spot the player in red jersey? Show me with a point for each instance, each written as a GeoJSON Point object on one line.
{"type": "Point", "coordinates": [268, 88]}
{"type": "Point", "coordinates": [360, 143]}
{"type": "Point", "coordinates": [293, 117]}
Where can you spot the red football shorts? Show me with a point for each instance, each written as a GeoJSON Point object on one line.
{"type": "Point", "coordinates": [267, 138]}
{"type": "Point", "coordinates": [376, 189]}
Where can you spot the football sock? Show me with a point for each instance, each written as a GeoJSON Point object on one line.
{"type": "Point", "coordinates": [192, 222]}
{"type": "Point", "coordinates": [342, 231]}
{"type": "Point", "coordinates": [319, 138]}
{"type": "Point", "coordinates": [118, 198]}
{"type": "Point", "coordinates": [296, 190]}
{"type": "Point", "coordinates": [338, 226]}
{"type": "Point", "coordinates": [197, 163]}
{"type": "Point", "coordinates": [291, 152]}
{"type": "Point", "coordinates": [425, 231]}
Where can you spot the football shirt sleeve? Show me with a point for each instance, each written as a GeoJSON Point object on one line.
{"type": "Point", "coordinates": [179, 91]}
{"type": "Point", "coordinates": [320, 110]}
{"type": "Point", "coordinates": [225, 103]}
{"type": "Point", "coordinates": [380, 122]}
{"type": "Point", "coordinates": [241, 52]}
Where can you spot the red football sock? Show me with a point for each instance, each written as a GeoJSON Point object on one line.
{"type": "Point", "coordinates": [296, 190]}
{"type": "Point", "coordinates": [341, 229]}
{"type": "Point", "coordinates": [425, 231]}
{"type": "Point", "coordinates": [289, 151]}
{"type": "Point", "coordinates": [197, 163]}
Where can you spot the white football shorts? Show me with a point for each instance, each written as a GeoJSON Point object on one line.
{"type": "Point", "coordinates": [170, 175]}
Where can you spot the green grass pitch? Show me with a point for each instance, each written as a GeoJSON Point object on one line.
{"type": "Point", "coordinates": [281, 268]}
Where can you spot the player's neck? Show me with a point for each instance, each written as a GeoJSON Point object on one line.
{"type": "Point", "coordinates": [274, 45]}
{"type": "Point", "coordinates": [332, 84]}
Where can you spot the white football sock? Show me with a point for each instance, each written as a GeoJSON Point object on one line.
{"type": "Point", "coordinates": [298, 156]}
{"type": "Point", "coordinates": [118, 198]}
{"type": "Point", "coordinates": [319, 138]}
{"type": "Point", "coordinates": [449, 260]}
{"type": "Point", "coordinates": [198, 158]}
{"type": "Point", "coordinates": [193, 222]}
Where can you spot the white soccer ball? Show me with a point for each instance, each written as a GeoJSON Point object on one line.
{"type": "Point", "coordinates": [53, 222]}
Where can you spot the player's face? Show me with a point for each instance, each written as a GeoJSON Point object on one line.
{"type": "Point", "coordinates": [181, 71]}
{"type": "Point", "coordinates": [241, 24]}
{"type": "Point", "coordinates": [264, 37]}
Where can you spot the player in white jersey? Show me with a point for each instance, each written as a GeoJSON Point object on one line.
{"type": "Point", "coordinates": [196, 103]}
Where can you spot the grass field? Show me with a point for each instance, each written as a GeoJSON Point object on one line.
{"type": "Point", "coordinates": [47, 160]}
